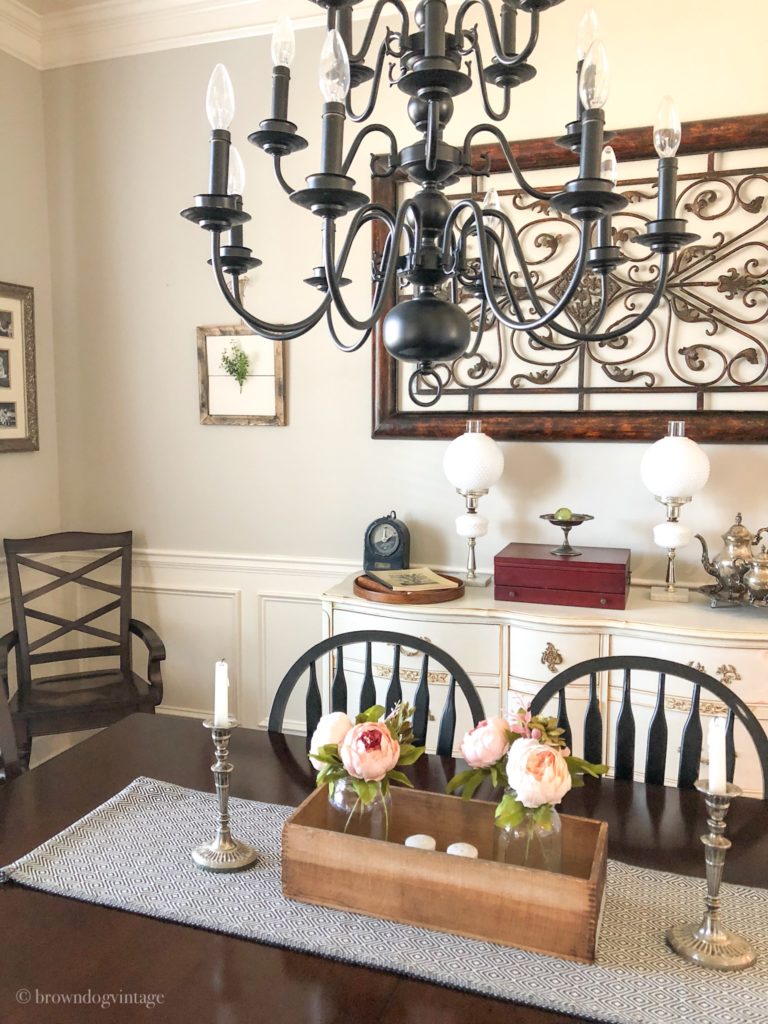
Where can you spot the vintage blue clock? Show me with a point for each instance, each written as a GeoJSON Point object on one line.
{"type": "Point", "coordinates": [387, 544]}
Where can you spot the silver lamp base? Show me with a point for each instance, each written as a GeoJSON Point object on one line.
{"type": "Point", "coordinates": [478, 579]}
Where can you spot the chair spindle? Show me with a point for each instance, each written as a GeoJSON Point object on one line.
{"type": "Point", "coordinates": [562, 719]}
{"type": "Point", "coordinates": [368, 690]}
{"type": "Point", "coordinates": [447, 722]}
{"type": "Point", "coordinates": [593, 725]}
{"type": "Point", "coordinates": [395, 689]}
{"type": "Point", "coordinates": [690, 746]}
{"type": "Point", "coordinates": [314, 703]}
{"type": "Point", "coordinates": [421, 704]}
{"type": "Point", "coordinates": [625, 733]}
{"type": "Point", "coordinates": [730, 746]}
{"type": "Point", "coordinates": [339, 684]}
{"type": "Point", "coordinates": [656, 753]}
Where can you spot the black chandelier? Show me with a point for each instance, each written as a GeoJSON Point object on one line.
{"type": "Point", "coordinates": [444, 251]}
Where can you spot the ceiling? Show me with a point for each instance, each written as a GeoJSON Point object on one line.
{"type": "Point", "coordinates": [56, 6]}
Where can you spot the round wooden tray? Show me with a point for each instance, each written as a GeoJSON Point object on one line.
{"type": "Point", "coordinates": [365, 587]}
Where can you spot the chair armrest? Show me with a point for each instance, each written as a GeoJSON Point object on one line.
{"type": "Point", "coordinates": [7, 643]}
{"type": "Point", "coordinates": [156, 649]}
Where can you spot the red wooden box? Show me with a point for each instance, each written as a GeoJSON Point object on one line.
{"type": "Point", "coordinates": [598, 578]}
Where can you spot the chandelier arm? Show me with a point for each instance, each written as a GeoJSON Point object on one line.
{"type": "Point", "coordinates": [534, 193]}
{"type": "Point", "coordinates": [355, 345]}
{"type": "Point", "coordinates": [374, 94]}
{"type": "Point", "coordinates": [278, 169]}
{"type": "Point", "coordinates": [369, 130]}
{"type": "Point", "coordinates": [498, 50]}
{"type": "Point", "coordinates": [484, 89]}
{"type": "Point", "coordinates": [334, 270]}
{"type": "Point", "coordinates": [274, 332]}
{"type": "Point", "coordinates": [472, 350]}
{"type": "Point", "coordinates": [360, 55]}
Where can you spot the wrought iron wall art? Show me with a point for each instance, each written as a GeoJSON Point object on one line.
{"type": "Point", "coordinates": [704, 354]}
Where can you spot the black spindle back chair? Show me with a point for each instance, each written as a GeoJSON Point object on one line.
{"type": "Point", "coordinates": [656, 748]}
{"type": "Point", "coordinates": [9, 755]}
{"type": "Point", "coordinates": [394, 693]}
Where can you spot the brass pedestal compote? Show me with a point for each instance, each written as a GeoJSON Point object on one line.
{"type": "Point", "coordinates": [708, 943]}
{"type": "Point", "coordinates": [223, 852]}
{"type": "Point", "coordinates": [566, 524]}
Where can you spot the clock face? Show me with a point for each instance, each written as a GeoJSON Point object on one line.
{"type": "Point", "coordinates": [385, 539]}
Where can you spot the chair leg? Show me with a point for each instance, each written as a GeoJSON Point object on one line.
{"type": "Point", "coordinates": [23, 742]}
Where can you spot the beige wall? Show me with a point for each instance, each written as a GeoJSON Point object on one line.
{"type": "Point", "coordinates": [127, 150]}
{"type": "Point", "coordinates": [29, 481]}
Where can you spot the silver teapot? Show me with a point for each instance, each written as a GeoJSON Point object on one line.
{"type": "Point", "coordinates": [756, 577]}
{"type": "Point", "coordinates": [730, 566]}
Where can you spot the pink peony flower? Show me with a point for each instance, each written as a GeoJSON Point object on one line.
{"type": "Point", "coordinates": [538, 774]}
{"type": "Point", "coordinates": [486, 743]}
{"type": "Point", "coordinates": [331, 728]}
{"type": "Point", "coordinates": [368, 751]}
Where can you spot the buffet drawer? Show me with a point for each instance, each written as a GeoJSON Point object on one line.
{"type": "Point", "coordinates": [538, 654]}
{"type": "Point", "coordinates": [476, 646]}
{"type": "Point", "coordinates": [744, 669]}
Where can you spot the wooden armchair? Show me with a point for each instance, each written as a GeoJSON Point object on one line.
{"type": "Point", "coordinates": [51, 602]}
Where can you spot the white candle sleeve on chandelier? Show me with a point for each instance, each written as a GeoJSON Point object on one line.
{"type": "Point", "coordinates": [716, 750]}
{"type": "Point", "coordinates": [221, 696]}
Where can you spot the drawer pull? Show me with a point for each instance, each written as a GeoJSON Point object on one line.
{"type": "Point", "coordinates": [727, 674]}
{"type": "Point", "coordinates": [409, 652]}
{"type": "Point", "coordinates": [551, 657]}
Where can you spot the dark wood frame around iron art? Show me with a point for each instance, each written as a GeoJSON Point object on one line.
{"type": "Point", "coordinates": [699, 137]}
{"type": "Point", "coordinates": [25, 296]}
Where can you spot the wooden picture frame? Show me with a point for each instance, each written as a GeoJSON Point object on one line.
{"type": "Point", "coordinates": [260, 400]}
{"type": "Point", "coordinates": [19, 430]}
{"type": "Point", "coordinates": [641, 423]}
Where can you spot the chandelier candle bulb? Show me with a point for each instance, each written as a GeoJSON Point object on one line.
{"type": "Point", "coordinates": [221, 696]}
{"type": "Point", "coordinates": [220, 109]}
{"type": "Point", "coordinates": [587, 33]}
{"type": "Point", "coordinates": [717, 782]}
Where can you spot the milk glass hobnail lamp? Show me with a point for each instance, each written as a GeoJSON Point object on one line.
{"type": "Point", "coordinates": [473, 463]}
{"type": "Point", "coordinates": [673, 469]}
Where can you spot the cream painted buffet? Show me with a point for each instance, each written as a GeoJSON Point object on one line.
{"type": "Point", "coordinates": [510, 650]}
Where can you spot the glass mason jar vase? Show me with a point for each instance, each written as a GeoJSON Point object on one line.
{"type": "Point", "coordinates": [532, 843]}
{"type": "Point", "coordinates": [352, 816]}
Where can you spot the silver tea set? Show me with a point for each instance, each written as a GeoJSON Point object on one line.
{"type": "Point", "coordinates": [741, 574]}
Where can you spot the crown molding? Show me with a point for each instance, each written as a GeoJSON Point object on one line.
{"type": "Point", "coordinates": [122, 28]}
{"type": "Point", "coordinates": [21, 33]}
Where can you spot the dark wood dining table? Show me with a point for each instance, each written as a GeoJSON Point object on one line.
{"type": "Point", "coordinates": [55, 947]}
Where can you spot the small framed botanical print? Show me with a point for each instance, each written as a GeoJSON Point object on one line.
{"type": "Point", "coordinates": [18, 388]}
{"type": "Point", "coordinates": [241, 378]}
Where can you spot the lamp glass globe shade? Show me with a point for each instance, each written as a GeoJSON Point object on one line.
{"type": "Point", "coordinates": [674, 467]}
{"type": "Point", "coordinates": [473, 462]}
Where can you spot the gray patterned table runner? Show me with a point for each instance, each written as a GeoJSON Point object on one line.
{"type": "Point", "coordinates": [133, 853]}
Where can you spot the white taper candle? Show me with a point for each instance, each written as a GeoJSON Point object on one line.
{"type": "Point", "coordinates": [221, 695]}
{"type": "Point", "coordinates": [716, 745]}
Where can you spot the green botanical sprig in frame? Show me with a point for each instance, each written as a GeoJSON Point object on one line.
{"type": "Point", "coordinates": [236, 363]}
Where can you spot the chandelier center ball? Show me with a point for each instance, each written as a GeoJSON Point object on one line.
{"type": "Point", "coordinates": [418, 111]}
{"type": "Point", "coordinates": [426, 329]}
{"type": "Point", "coordinates": [431, 209]}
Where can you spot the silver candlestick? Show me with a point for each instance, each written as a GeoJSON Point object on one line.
{"type": "Point", "coordinates": [223, 853]}
{"type": "Point", "coordinates": [708, 943]}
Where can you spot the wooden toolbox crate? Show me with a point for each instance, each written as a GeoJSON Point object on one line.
{"type": "Point", "coordinates": [597, 578]}
{"type": "Point", "coordinates": [515, 906]}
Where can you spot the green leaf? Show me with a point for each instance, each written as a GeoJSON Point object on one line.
{"type": "Point", "coordinates": [471, 786]}
{"type": "Point", "coordinates": [578, 766]}
{"type": "Point", "coordinates": [396, 776]}
{"type": "Point", "coordinates": [459, 780]}
{"type": "Point", "coordinates": [509, 812]}
{"type": "Point", "coordinates": [543, 816]}
{"type": "Point", "coordinates": [367, 791]}
{"type": "Point", "coordinates": [371, 714]}
{"type": "Point", "coordinates": [409, 754]}
{"type": "Point", "coordinates": [330, 773]}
